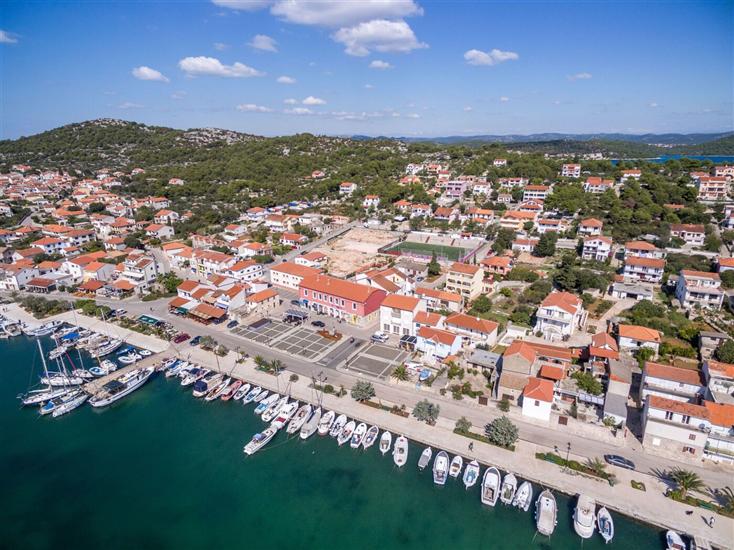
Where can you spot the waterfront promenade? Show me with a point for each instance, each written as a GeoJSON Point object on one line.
{"type": "Point", "coordinates": [650, 506]}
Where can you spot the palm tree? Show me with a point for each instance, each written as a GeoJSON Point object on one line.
{"type": "Point", "coordinates": [276, 365]}
{"type": "Point", "coordinates": [685, 481]}
{"type": "Point", "coordinates": [596, 465]}
{"type": "Point", "coordinates": [400, 373]}
{"type": "Point", "coordinates": [259, 361]}
{"type": "Point", "coordinates": [725, 497]}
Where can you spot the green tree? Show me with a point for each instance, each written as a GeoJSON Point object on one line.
{"type": "Point", "coordinates": [504, 404]}
{"type": "Point", "coordinates": [725, 352]}
{"type": "Point", "coordinates": [427, 412]}
{"type": "Point", "coordinates": [482, 304]}
{"type": "Point", "coordinates": [686, 480]}
{"type": "Point", "coordinates": [588, 382]}
{"type": "Point", "coordinates": [597, 465]}
{"type": "Point", "coordinates": [546, 244]}
{"type": "Point", "coordinates": [463, 425]}
{"type": "Point", "coordinates": [503, 240]}
{"type": "Point", "coordinates": [207, 342]}
{"type": "Point", "coordinates": [712, 243]}
{"type": "Point", "coordinates": [725, 496]}
{"type": "Point", "coordinates": [501, 431]}
{"type": "Point", "coordinates": [727, 278]}
{"type": "Point", "coordinates": [363, 390]}
{"type": "Point", "coordinates": [169, 281]}
{"type": "Point", "coordinates": [434, 268]}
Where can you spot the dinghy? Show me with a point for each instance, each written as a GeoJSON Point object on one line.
{"type": "Point", "coordinates": [370, 437]}
{"type": "Point", "coordinates": [523, 496]}
{"type": "Point", "coordinates": [358, 436]}
{"type": "Point", "coordinates": [491, 486]}
{"type": "Point", "coordinates": [300, 418]}
{"type": "Point", "coordinates": [674, 541]}
{"type": "Point", "coordinates": [241, 392]}
{"type": "Point", "coordinates": [261, 396]}
{"type": "Point", "coordinates": [129, 358]}
{"type": "Point", "coordinates": [457, 463]}
{"type": "Point", "coordinates": [471, 474]}
{"type": "Point", "coordinates": [385, 442]}
{"type": "Point", "coordinates": [338, 425]}
{"type": "Point", "coordinates": [440, 468]}
{"type": "Point", "coordinates": [231, 390]}
{"type": "Point", "coordinates": [145, 352]}
{"type": "Point", "coordinates": [311, 425]}
{"type": "Point", "coordinates": [425, 458]}
{"type": "Point", "coordinates": [400, 451]}
{"type": "Point", "coordinates": [251, 395]}
{"type": "Point", "coordinates": [265, 404]}
{"type": "Point", "coordinates": [605, 523]}
{"type": "Point", "coordinates": [346, 433]}
{"type": "Point", "coordinates": [546, 512]}
{"type": "Point", "coordinates": [327, 419]}
{"type": "Point", "coordinates": [584, 517]}
{"type": "Point", "coordinates": [509, 487]}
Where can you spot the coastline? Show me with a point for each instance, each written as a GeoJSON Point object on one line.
{"type": "Point", "coordinates": [654, 508]}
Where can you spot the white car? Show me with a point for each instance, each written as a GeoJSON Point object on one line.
{"type": "Point", "coordinates": [380, 337]}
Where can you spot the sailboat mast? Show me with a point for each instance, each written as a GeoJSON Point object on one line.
{"type": "Point", "coordinates": [43, 359]}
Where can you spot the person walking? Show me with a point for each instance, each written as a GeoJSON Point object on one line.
{"type": "Point", "coordinates": [711, 522]}
{"type": "Point", "coordinates": [471, 446]}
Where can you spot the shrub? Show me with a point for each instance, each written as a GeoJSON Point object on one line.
{"type": "Point", "coordinates": [504, 404]}
{"type": "Point", "coordinates": [502, 432]}
{"type": "Point", "coordinates": [427, 412]}
{"type": "Point", "coordinates": [293, 377]}
{"type": "Point", "coordinates": [363, 390]}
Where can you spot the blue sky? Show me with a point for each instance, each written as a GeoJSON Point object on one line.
{"type": "Point", "coordinates": [374, 67]}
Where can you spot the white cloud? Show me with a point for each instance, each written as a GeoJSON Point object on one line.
{"type": "Point", "coordinates": [178, 95]}
{"type": "Point", "coordinates": [252, 108]}
{"type": "Point", "coordinates": [653, 105]}
{"type": "Point", "coordinates": [211, 66]}
{"type": "Point", "coordinates": [579, 76]}
{"type": "Point", "coordinates": [290, 101]}
{"type": "Point", "coordinates": [220, 46]}
{"type": "Point", "coordinates": [328, 13]}
{"type": "Point", "coordinates": [311, 100]}
{"type": "Point", "coordinates": [492, 57]}
{"type": "Point", "coordinates": [263, 42]}
{"type": "Point", "coordinates": [504, 99]}
{"type": "Point", "coordinates": [146, 73]}
{"type": "Point", "coordinates": [468, 108]}
{"type": "Point", "coordinates": [7, 38]}
{"type": "Point", "coordinates": [299, 111]}
{"type": "Point", "coordinates": [245, 5]}
{"type": "Point", "coordinates": [129, 105]}
{"type": "Point", "coordinates": [413, 115]}
{"type": "Point", "coordinates": [369, 86]}
{"type": "Point", "coordinates": [285, 80]}
{"type": "Point", "coordinates": [378, 35]}
{"type": "Point", "coordinates": [381, 65]}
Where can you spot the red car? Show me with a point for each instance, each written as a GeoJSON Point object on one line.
{"type": "Point", "coordinates": [181, 338]}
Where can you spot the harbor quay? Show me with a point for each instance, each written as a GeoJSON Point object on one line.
{"type": "Point", "coordinates": [650, 506]}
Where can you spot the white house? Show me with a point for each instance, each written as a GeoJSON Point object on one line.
{"type": "Point", "coordinates": [674, 427]}
{"type": "Point", "coordinates": [347, 188]}
{"type": "Point", "coordinates": [649, 270]}
{"type": "Point", "coordinates": [642, 249]}
{"type": "Point", "coordinates": [719, 378]}
{"type": "Point", "coordinates": [437, 343]}
{"type": "Point", "coordinates": [692, 234]}
{"type": "Point", "coordinates": [699, 289]}
{"type": "Point", "coordinates": [597, 248]}
{"type": "Point", "coordinates": [290, 275]}
{"type": "Point", "coordinates": [671, 382]}
{"type": "Point", "coordinates": [398, 312]}
{"type": "Point", "coordinates": [535, 192]}
{"type": "Point", "coordinates": [571, 170]}
{"type": "Point", "coordinates": [537, 399]}
{"type": "Point", "coordinates": [633, 337]}
{"type": "Point", "coordinates": [559, 315]}
{"type": "Point", "coordinates": [473, 329]}
{"type": "Point", "coordinates": [371, 201]}
{"type": "Point", "coordinates": [597, 185]}
{"type": "Point", "coordinates": [245, 270]}
{"type": "Point", "coordinates": [590, 227]}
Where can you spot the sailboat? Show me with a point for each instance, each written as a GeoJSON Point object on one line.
{"type": "Point", "coordinates": [385, 442]}
{"type": "Point", "coordinates": [338, 425]}
{"type": "Point", "coordinates": [299, 419]}
{"type": "Point", "coordinates": [311, 425]}
{"type": "Point", "coordinates": [58, 402]}
{"type": "Point", "coordinates": [70, 403]}
{"type": "Point", "coordinates": [509, 487]}
{"type": "Point", "coordinates": [346, 432]}
{"type": "Point", "coordinates": [273, 410]}
{"type": "Point", "coordinates": [217, 390]}
{"type": "Point", "coordinates": [41, 395]}
{"type": "Point", "coordinates": [471, 474]}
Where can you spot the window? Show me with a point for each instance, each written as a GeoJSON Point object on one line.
{"type": "Point", "coordinates": [686, 419]}
{"type": "Point", "coordinates": [692, 437]}
{"type": "Point", "coordinates": [354, 306]}
{"type": "Point", "coordinates": [305, 293]}
{"type": "Point", "coordinates": [668, 415]}
{"type": "Point", "coordinates": [537, 403]}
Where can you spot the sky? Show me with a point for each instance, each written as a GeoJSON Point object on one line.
{"type": "Point", "coordinates": [370, 67]}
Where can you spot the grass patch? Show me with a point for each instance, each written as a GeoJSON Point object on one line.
{"type": "Point", "coordinates": [638, 485]}
{"type": "Point", "coordinates": [482, 438]}
{"type": "Point", "coordinates": [576, 466]}
{"type": "Point", "coordinates": [427, 249]}
{"type": "Point", "coordinates": [690, 500]}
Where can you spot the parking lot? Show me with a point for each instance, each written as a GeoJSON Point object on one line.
{"type": "Point", "coordinates": [293, 339]}
{"type": "Point", "coordinates": [377, 360]}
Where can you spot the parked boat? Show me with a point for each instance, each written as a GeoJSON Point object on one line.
{"type": "Point", "coordinates": [400, 451]}
{"type": "Point", "coordinates": [327, 419]}
{"type": "Point", "coordinates": [75, 400]}
{"type": "Point", "coordinates": [584, 517]}
{"type": "Point", "coordinates": [440, 468]}
{"type": "Point", "coordinates": [275, 408]}
{"type": "Point", "coordinates": [457, 464]}
{"type": "Point", "coordinates": [50, 406]}
{"type": "Point", "coordinates": [285, 413]}
{"type": "Point", "coordinates": [491, 486]}
{"type": "Point", "coordinates": [425, 458]}
{"type": "Point", "coordinates": [106, 348]}
{"type": "Point", "coordinates": [192, 376]}
{"type": "Point", "coordinates": [358, 436]}
{"type": "Point", "coordinates": [145, 352]}
{"type": "Point", "coordinates": [82, 373]}
{"type": "Point", "coordinates": [605, 524]}
{"type": "Point", "coordinates": [57, 352]}
{"type": "Point", "coordinates": [346, 432]}
{"type": "Point", "coordinates": [259, 440]}
{"type": "Point", "coordinates": [57, 379]}
{"type": "Point", "coordinates": [252, 395]}
{"type": "Point", "coordinates": [385, 442]}
{"type": "Point", "coordinates": [546, 513]}
{"type": "Point", "coordinates": [338, 425]}
{"type": "Point", "coordinates": [241, 392]}
{"type": "Point", "coordinates": [45, 329]}
{"type": "Point", "coordinates": [231, 390]}
{"type": "Point", "coordinates": [41, 395]}
{"type": "Point", "coordinates": [205, 384]}
{"type": "Point", "coordinates": [129, 358]}
{"type": "Point", "coordinates": [523, 496]}
{"type": "Point", "coordinates": [471, 474]}
{"type": "Point", "coordinates": [217, 390]}
{"type": "Point", "coordinates": [125, 385]}
{"type": "Point", "coordinates": [299, 419]}
{"type": "Point", "coordinates": [261, 396]}
{"type": "Point", "coordinates": [311, 425]}
{"type": "Point", "coordinates": [265, 404]}
{"type": "Point", "coordinates": [370, 437]}
{"type": "Point", "coordinates": [509, 488]}
{"type": "Point", "coordinates": [674, 541]}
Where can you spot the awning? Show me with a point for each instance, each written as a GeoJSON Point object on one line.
{"type": "Point", "coordinates": [296, 314]}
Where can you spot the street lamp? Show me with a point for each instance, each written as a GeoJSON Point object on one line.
{"type": "Point", "coordinates": [568, 453]}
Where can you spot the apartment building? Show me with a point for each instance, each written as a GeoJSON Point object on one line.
{"type": "Point", "coordinates": [559, 315]}
{"type": "Point", "coordinates": [465, 280]}
{"type": "Point", "coordinates": [699, 289]}
{"type": "Point", "coordinates": [649, 270]}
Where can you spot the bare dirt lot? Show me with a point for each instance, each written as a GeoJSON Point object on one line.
{"type": "Point", "coordinates": [355, 249]}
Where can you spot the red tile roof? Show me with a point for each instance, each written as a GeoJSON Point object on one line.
{"type": "Point", "coordinates": [539, 389]}
{"type": "Point", "coordinates": [669, 372]}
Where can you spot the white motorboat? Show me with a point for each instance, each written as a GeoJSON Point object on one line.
{"type": "Point", "coordinates": [241, 392]}
{"type": "Point", "coordinates": [261, 396]}
{"type": "Point", "coordinates": [105, 367]}
{"type": "Point", "coordinates": [273, 410]}
{"type": "Point", "coordinates": [311, 425]}
{"type": "Point", "coordinates": [57, 352]}
{"type": "Point", "coordinates": [299, 419]}
{"type": "Point", "coordinates": [194, 375]}
{"type": "Point", "coordinates": [338, 425]}
{"type": "Point", "coordinates": [358, 436]}
{"type": "Point", "coordinates": [370, 437]}
{"type": "Point", "coordinates": [45, 329]}
{"type": "Point", "coordinates": [231, 390]}
{"type": "Point", "coordinates": [440, 468]}
{"type": "Point", "coordinates": [74, 401]}
{"type": "Point", "coordinates": [425, 458]}
{"type": "Point", "coordinates": [266, 403]}
{"type": "Point", "coordinates": [251, 395]}
{"type": "Point", "coordinates": [259, 440]}
{"type": "Point", "coordinates": [217, 390]}
{"type": "Point", "coordinates": [457, 464]}
{"type": "Point", "coordinates": [125, 385]}
{"type": "Point", "coordinates": [605, 523]}
{"type": "Point", "coordinates": [174, 368]}
{"type": "Point", "coordinates": [205, 384]}
{"type": "Point", "coordinates": [284, 415]}
{"type": "Point", "coordinates": [106, 348]}
{"type": "Point", "coordinates": [145, 352]}
{"type": "Point", "coordinates": [129, 358]}
{"type": "Point", "coordinates": [346, 433]}
{"type": "Point", "coordinates": [584, 517]}
{"type": "Point", "coordinates": [471, 474]}
{"type": "Point", "coordinates": [400, 451]}
{"type": "Point", "coordinates": [491, 486]}
{"type": "Point", "coordinates": [509, 488]}
{"type": "Point", "coordinates": [327, 419]}
{"type": "Point", "coordinates": [546, 513]}
{"type": "Point", "coordinates": [83, 373]}
{"type": "Point", "coordinates": [523, 496]}
{"type": "Point", "coordinates": [385, 442]}
{"type": "Point", "coordinates": [674, 541]}
{"type": "Point", "coordinates": [50, 406]}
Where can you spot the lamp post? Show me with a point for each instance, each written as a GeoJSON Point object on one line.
{"type": "Point", "coordinates": [568, 453]}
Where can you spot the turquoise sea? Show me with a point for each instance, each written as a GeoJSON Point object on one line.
{"type": "Point", "coordinates": [161, 469]}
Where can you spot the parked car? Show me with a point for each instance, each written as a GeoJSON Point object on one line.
{"type": "Point", "coordinates": [182, 337]}
{"type": "Point", "coordinates": [296, 302]}
{"type": "Point", "coordinates": [380, 337]}
{"type": "Point", "coordinates": [319, 324]}
{"type": "Point", "coordinates": [616, 460]}
{"type": "Point", "coordinates": [233, 323]}
{"type": "Point", "coordinates": [195, 340]}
